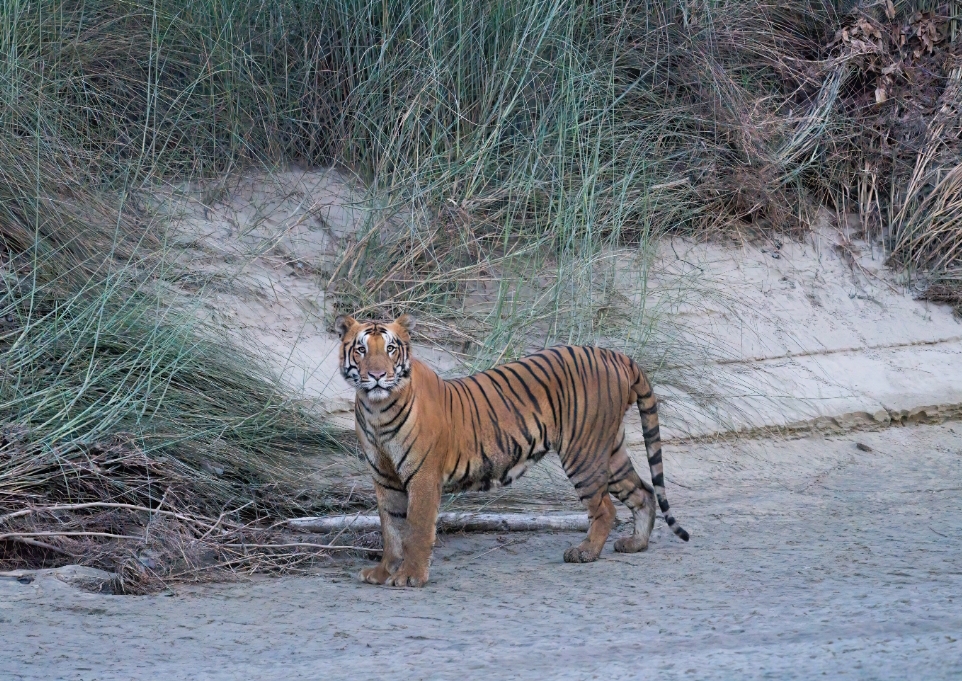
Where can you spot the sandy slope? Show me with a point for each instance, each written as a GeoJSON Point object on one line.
{"type": "Point", "coordinates": [773, 334]}
{"type": "Point", "coordinates": [809, 558]}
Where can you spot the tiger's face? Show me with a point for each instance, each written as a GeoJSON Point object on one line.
{"type": "Point", "coordinates": [375, 358]}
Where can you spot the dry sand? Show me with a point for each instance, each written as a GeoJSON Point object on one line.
{"type": "Point", "coordinates": [809, 558]}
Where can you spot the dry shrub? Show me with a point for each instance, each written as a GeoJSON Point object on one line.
{"type": "Point", "coordinates": [948, 292]}
{"type": "Point", "coordinates": [904, 101]}
{"type": "Point", "coordinates": [146, 518]}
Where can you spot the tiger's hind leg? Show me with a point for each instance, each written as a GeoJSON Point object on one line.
{"type": "Point", "coordinates": [626, 485]}
{"type": "Point", "coordinates": [590, 479]}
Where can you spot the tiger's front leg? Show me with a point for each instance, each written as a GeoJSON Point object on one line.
{"type": "Point", "coordinates": [392, 506]}
{"type": "Point", "coordinates": [424, 502]}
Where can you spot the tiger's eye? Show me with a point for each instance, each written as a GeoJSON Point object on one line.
{"type": "Point", "coordinates": [391, 348]}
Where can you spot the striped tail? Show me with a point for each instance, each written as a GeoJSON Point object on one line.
{"type": "Point", "coordinates": [648, 408]}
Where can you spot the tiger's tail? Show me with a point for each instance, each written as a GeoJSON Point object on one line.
{"type": "Point", "coordinates": [648, 408]}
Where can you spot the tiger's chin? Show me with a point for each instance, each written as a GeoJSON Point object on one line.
{"type": "Point", "coordinates": [377, 394]}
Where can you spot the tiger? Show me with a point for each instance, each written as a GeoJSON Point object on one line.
{"type": "Point", "coordinates": [422, 436]}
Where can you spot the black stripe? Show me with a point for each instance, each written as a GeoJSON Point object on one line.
{"type": "Point", "coordinates": [393, 489]}
{"type": "Point", "coordinates": [476, 418]}
{"type": "Point", "coordinates": [585, 462]}
{"type": "Point", "coordinates": [484, 393]}
{"type": "Point", "coordinates": [513, 406]}
{"type": "Point", "coordinates": [582, 429]}
{"type": "Point", "coordinates": [510, 405]}
{"type": "Point", "coordinates": [549, 394]}
{"type": "Point", "coordinates": [606, 379]}
{"type": "Point", "coordinates": [619, 445]}
{"type": "Point", "coordinates": [391, 433]}
{"type": "Point", "coordinates": [378, 473]}
{"type": "Point", "coordinates": [522, 422]}
{"type": "Point", "coordinates": [467, 473]}
{"type": "Point", "coordinates": [658, 480]}
{"type": "Point", "coordinates": [405, 455]}
{"type": "Point", "coordinates": [415, 472]}
{"type": "Point", "coordinates": [590, 359]}
{"type": "Point", "coordinates": [499, 433]}
{"type": "Point", "coordinates": [620, 474]}
{"type": "Point", "coordinates": [404, 411]}
{"type": "Point", "coordinates": [570, 394]}
{"type": "Point", "coordinates": [574, 360]}
{"type": "Point", "coordinates": [523, 384]}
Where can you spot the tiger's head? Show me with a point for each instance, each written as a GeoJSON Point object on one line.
{"type": "Point", "coordinates": [375, 358]}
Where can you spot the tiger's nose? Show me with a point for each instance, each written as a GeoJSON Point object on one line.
{"type": "Point", "coordinates": [376, 375]}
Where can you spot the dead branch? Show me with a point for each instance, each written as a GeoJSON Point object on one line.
{"type": "Point", "coordinates": [19, 535]}
{"type": "Point", "coordinates": [453, 522]}
{"type": "Point", "coordinates": [326, 547]}
{"type": "Point", "coordinates": [104, 504]}
{"type": "Point", "coordinates": [39, 544]}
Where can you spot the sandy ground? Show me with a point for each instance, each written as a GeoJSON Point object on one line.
{"type": "Point", "coordinates": [809, 558]}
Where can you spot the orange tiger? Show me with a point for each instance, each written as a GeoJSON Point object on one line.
{"type": "Point", "coordinates": [422, 436]}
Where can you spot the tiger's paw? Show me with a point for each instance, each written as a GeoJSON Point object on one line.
{"type": "Point", "coordinates": [630, 544]}
{"type": "Point", "coordinates": [576, 554]}
{"type": "Point", "coordinates": [375, 575]}
{"type": "Point", "coordinates": [408, 576]}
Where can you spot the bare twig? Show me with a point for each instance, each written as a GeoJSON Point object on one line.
{"type": "Point", "coordinates": [326, 547]}
{"type": "Point", "coordinates": [39, 544]}
{"type": "Point", "coordinates": [102, 504]}
{"type": "Point", "coordinates": [19, 535]}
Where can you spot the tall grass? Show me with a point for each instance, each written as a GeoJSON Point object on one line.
{"type": "Point", "coordinates": [515, 149]}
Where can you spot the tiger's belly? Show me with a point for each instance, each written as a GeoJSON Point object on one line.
{"type": "Point", "coordinates": [486, 474]}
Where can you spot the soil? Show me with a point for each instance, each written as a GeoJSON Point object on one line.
{"type": "Point", "coordinates": [812, 557]}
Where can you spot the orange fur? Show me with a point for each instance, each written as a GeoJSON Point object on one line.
{"type": "Point", "coordinates": [422, 436]}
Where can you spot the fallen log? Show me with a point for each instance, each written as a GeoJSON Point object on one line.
{"type": "Point", "coordinates": [453, 522]}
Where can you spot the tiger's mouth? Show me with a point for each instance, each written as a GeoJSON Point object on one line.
{"type": "Point", "coordinates": [380, 389]}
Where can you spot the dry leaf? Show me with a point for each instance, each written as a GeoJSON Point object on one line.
{"type": "Point", "coordinates": [889, 9]}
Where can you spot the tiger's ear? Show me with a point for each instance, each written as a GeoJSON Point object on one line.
{"type": "Point", "coordinates": [343, 324]}
{"type": "Point", "coordinates": [406, 322]}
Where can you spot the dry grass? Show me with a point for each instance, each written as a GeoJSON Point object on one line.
{"type": "Point", "coordinates": [148, 518]}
